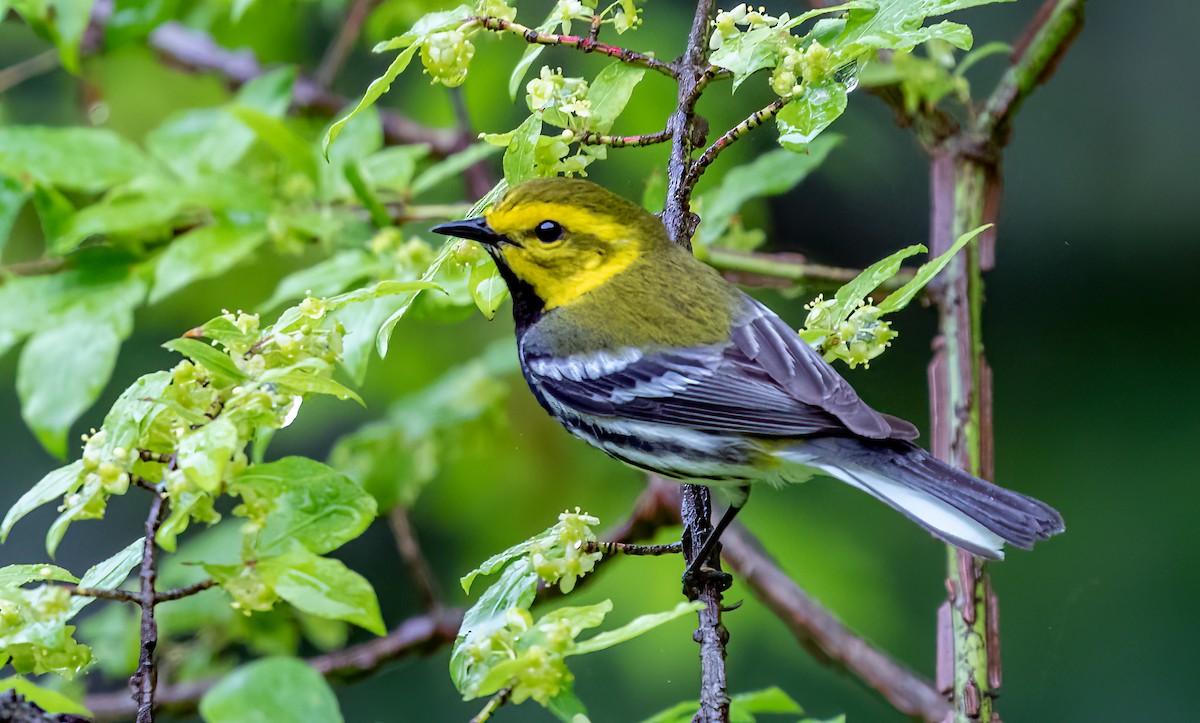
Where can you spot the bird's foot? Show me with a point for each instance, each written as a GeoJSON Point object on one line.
{"type": "Point", "coordinates": [693, 580]}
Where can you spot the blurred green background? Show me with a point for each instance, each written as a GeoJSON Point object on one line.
{"type": "Point", "coordinates": [1087, 329]}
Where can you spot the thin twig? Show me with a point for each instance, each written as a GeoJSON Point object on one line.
{"type": "Point", "coordinates": [343, 42]}
{"type": "Point", "coordinates": [18, 73]}
{"type": "Point", "coordinates": [500, 698]}
{"type": "Point", "coordinates": [733, 134]}
{"type": "Point", "coordinates": [417, 635]}
{"type": "Point", "coordinates": [197, 51]}
{"type": "Point", "coordinates": [185, 591]}
{"type": "Point", "coordinates": [790, 267]}
{"type": "Point", "coordinates": [118, 595]}
{"type": "Point", "coordinates": [145, 678]}
{"type": "Point", "coordinates": [410, 551]}
{"type": "Point", "coordinates": [625, 548]}
{"type": "Point", "coordinates": [596, 139]}
{"type": "Point", "coordinates": [587, 44]}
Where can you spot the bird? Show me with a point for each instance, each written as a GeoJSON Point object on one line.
{"type": "Point", "coordinates": [645, 352]}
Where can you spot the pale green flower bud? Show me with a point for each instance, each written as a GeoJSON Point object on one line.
{"type": "Point", "coordinates": [446, 56]}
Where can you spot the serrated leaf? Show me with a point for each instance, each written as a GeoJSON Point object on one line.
{"type": "Point", "coordinates": [61, 372]}
{"type": "Point", "coordinates": [305, 503]}
{"type": "Point", "coordinates": [899, 298]}
{"type": "Point", "coordinates": [110, 573]}
{"type": "Point", "coordinates": [48, 700]}
{"type": "Point", "coordinates": [89, 160]}
{"type": "Point", "coordinates": [451, 166]}
{"type": "Point", "coordinates": [377, 88]}
{"type": "Point", "coordinates": [18, 575]}
{"type": "Point", "coordinates": [770, 174]}
{"type": "Point", "coordinates": [634, 628]}
{"type": "Point", "coordinates": [609, 93]}
{"type": "Point", "coordinates": [324, 587]}
{"type": "Point", "coordinates": [203, 253]}
{"type": "Point", "coordinates": [214, 360]}
{"type": "Point", "coordinates": [271, 689]}
{"type": "Point", "coordinates": [53, 486]}
{"type": "Point", "coordinates": [519, 158]}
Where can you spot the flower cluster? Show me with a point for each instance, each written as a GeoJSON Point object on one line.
{"type": "Point", "coordinates": [800, 65]}
{"type": "Point", "coordinates": [495, 9]}
{"type": "Point", "coordinates": [857, 339]}
{"type": "Point", "coordinates": [447, 56]}
{"type": "Point", "coordinates": [728, 24]}
{"type": "Point", "coordinates": [550, 91]}
{"type": "Point", "coordinates": [561, 558]}
{"type": "Point", "coordinates": [33, 633]}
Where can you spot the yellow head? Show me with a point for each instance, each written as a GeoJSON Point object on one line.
{"type": "Point", "coordinates": [562, 237]}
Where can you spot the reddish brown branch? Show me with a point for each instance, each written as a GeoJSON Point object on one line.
{"type": "Point", "coordinates": [343, 42]}
{"type": "Point", "coordinates": [410, 551]}
{"type": "Point", "coordinates": [587, 44]}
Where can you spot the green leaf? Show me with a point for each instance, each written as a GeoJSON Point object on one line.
{"type": "Point", "coordinates": [802, 120]}
{"type": "Point", "coordinates": [141, 213]}
{"type": "Point", "coordinates": [377, 88]}
{"type": "Point", "coordinates": [868, 280]}
{"type": "Point", "coordinates": [742, 707]}
{"type": "Point", "coordinates": [394, 168]}
{"type": "Point", "coordinates": [53, 486]}
{"type": "Point", "coordinates": [897, 25]}
{"type": "Point", "coordinates": [634, 628]}
{"type": "Point", "coordinates": [899, 298]}
{"type": "Point", "coordinates": [609, 94]}
{"type": "Point", "coordinates": [276, 134]}
{"type": "Point", "coordinates": [110, 573]}
{"type": "Point", "coordinates": [297, 382]}
{"type": "Point", "coordinates": [61, 372]}
{"type": "Point", "coordinates": [18, 575]}
{"type": "Point", "coordinates": [54, 211]}
{"type": "Point", "coordinates": [518, 159]}
{"type": "Point", "coordinates": [451, 166]}
{"type": "Point", "coordinates": [203, 253]}
{"type": "Point", "coordinates": [429, 23]}
{"type": "Point", "coordinates": [770, 174]}
{"type": "Point", "coordinates": [521, 68]}
{"type": "Point", "coordinates": [301, 501]}
{"type": "Point", "coordinates": [13, 195]}
{"type": "Point", "coordinates": [214, 360]}
{"type": "Point", "coordinates": [204, 453]}
{"type": "Point", "coordinates": [271, 689]}
{"type": "Point", "coordinates": [131, 416]}
{"type": "Point", "coordinates": [516, 588]}
{"type": "Point", "coordinates": [48, 700]}
{"type": "Point", "coordinates": [324, 587]}
{"type": "Point", "coordinates": [77, 159]}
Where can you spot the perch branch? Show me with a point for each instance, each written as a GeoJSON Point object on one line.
{"type": "Point", "coordinates": [587, 44]}
{"type": "Point", "coordinates": [596, 139]}
{"type": "Point", "coordinates": [733, 134]}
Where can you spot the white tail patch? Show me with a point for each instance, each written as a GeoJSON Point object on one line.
{"type": "Point", "coordinates": [947, 522]}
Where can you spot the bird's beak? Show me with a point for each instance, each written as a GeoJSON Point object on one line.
{"type": "Point", "coordinates": [475, 229]}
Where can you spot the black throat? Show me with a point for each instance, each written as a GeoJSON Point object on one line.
{"type": "Point", "coordinates": [527, 306]}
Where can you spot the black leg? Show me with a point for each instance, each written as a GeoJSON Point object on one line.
{"type": "Point", "coordinates": [698, 563]}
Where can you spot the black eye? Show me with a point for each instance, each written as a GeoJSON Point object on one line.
{"type": "Point", "coordinates": [548, 232]}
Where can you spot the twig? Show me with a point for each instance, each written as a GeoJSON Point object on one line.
{"type": "Point", "coordinates": [410, 551]}
{"type": "Point", "coordinates": [185, 591]}
{"type": "Point", "coordinates": [416, 635]}
{"type": "Point", "coordinates": [493, 704]}
{"type": "Point", "coordinates": [790, 267]}
{"type": "Point", "coordinates": [18, 73]}
{"type": "Point", "coordinates": [343, 42]}
{"type": "Point", "coordinates": [146, 676]}
{"type": "Point", "coordinates": [1035, 59]}
{"type": "Point", "coordinates": [118, 595]}
{"type": "Point", "coordinates": [596, 139]}
{"type": "Point", "coordinates": [625, 548]}
{"type": "Point", "coordinates": [733, 134]}
{"type": "Point", "coordinates": [587, 44]}
{"type": "Point", "coordinates": [197, 51]}
{"type": "Point", "coordinates": [823, 634]}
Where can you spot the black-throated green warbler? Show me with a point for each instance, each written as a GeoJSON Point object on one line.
{"type": "Point", "coordinates": [643, 351]}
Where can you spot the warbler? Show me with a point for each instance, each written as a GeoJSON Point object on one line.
{"type": "Point", "coordinates": [645, 352]}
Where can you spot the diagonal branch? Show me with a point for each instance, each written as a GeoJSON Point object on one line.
{"type": "Point", "coordinates": [343, 42]}
{"type": "Point", "coordinates": [587, 44]}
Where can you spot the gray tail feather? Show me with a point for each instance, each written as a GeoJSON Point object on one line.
{"type": "Point", "coordinates": [875, 465]}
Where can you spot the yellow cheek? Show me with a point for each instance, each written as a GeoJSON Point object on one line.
{"type": "Point", "coordinates": [556, 286]}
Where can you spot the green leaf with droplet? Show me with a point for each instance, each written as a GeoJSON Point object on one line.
{"type": "Point", "coordinates": [324, 587]}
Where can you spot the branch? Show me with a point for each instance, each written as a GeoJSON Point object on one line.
{"type": "Point", "coordinates": [185, 591]}
{"type": "Point", "coordinates": [343, 42]}
{"type": "Point", "coordinates": [823, 634]}
{"type": "Point", "coordinates": [18, 73]}
{"type": "Point", "coordinates": [587, 44]}
{"type": "Point", "coordinates": [493, 704]}
{"type": "Point", "coordinates": [733, 134]}
{"type": "Point", "coordinates": [788, 267]}
{"type": "Point", "coordinates": [624, 548]}
{"type": "Point", "coordinates": [1035, 59]}
{"type": "Point", "coordinates": [198, 52]}
{"type": "Point", "coordinates": [420, 634]}
{"type": "Point", "coordinates": [146, 676]}
{"type": "Point", "coordinates": [595, 139]}
{"type": "Point", "coordinates": [117, 595]}
{"type": "Point", "coordinates": [410, 552]}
